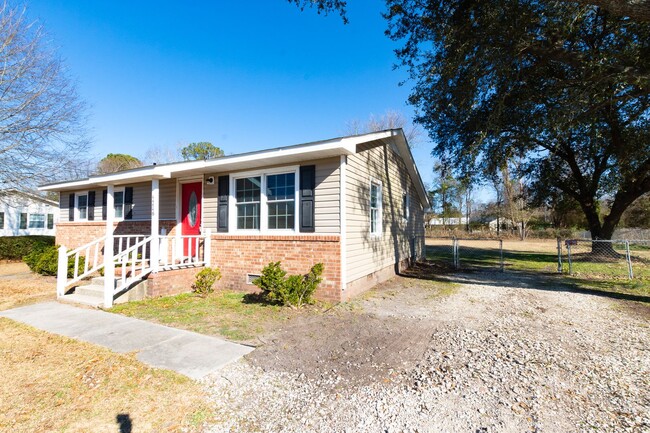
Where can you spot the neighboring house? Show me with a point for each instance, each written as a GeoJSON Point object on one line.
{"type": "Point", "coordinates": [23, 214]}
{"type": "Point", "coordinates": [455, 221]}
{"type": "Point", "coordinates": [354, 203]}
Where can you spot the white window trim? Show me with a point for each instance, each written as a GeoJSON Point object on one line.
{"type": "Point", "coordinates": [380, 209]}
{"type": "Point", "coordinates": [30, 219]}
{"type": "Point", "coordinates": [77, 213]}
{"type": "Point", "coordinates": [264, 230]}
{"type": "Point", "coordinates": [116, 190]}
{"type": "Point", "coordinates": [407, 197]}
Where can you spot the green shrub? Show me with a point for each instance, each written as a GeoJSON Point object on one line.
{"type": "Point", "coordinates": [16, 247]}
{"type": "Point", "coordinates": [295, 290]}
{"type": "Point", "coordinates": [46, 262]}
{"type": "Point", "coordinates": [204, 282]}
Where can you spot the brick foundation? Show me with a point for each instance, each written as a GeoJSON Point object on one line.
{"type": "Point", "coordinates": [173, 282]}
{"type": "Point", "coordinates": [237, 256]}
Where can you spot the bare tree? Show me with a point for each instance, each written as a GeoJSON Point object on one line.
{"type": "Point", "coordinates": [391, 119]}
{"type": "Point", "coordinates": [515, 201]}
{"type": "Point", "coordinates": [42, 133]}
{"type": "Point", "coordinates": [161, 155]}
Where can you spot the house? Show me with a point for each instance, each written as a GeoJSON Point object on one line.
{"type": "Point", "coordinates": [354, 203]}
{"type": "Point", "coordinates": [455, 221]}
{"type": "Point", "coordinates": [24, 214]}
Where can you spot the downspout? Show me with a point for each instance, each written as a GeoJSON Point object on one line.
{"type": "Point", "coordinates": [343, 221]}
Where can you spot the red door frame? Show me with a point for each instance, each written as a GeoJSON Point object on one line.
{"type": "Point", "coordinates": [189, 246]}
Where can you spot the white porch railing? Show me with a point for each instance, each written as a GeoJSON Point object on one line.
{"type": "Point", "coordinates": [132, 256]}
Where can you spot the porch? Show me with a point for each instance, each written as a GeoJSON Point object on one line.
{"type": "Point", "coordinates": [132, 259]}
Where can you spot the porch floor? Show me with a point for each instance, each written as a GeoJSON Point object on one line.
{"type": "Point", "coordinates": [194, 355]}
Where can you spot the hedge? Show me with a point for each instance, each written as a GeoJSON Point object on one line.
{"type": "Point", "coordinates": [16, 247]}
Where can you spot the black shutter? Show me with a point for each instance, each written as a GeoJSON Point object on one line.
{"type": "Point", "coordinates": [222, 204]}
{"type": "Point", "coordinates": [104, 198]}
{"type": "Point", "coordinates": [128, 203]}
{"type": "Point", "coordinates": [307, 192]}
{"type": "Point", "coordinates": [91, 205]}
{"type": "Point", "coordinates": [23, 221]}
{"type": "Point", "coordinates": [71, 207]}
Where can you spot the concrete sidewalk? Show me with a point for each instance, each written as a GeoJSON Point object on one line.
{"type": "Point", "coordinates": [194, 355]}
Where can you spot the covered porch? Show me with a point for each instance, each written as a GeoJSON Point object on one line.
{"type": "Point", "coordinates": [124, 252]}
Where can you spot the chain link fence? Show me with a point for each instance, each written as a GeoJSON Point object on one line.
{"type": "Point", "coordinates": [584, 258]}
{"type": "Point", "coordinates": [607, 259]}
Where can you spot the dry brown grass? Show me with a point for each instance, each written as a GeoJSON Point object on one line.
{"type": "Point", "coordinates": [19, 286]}
{"type": "Point", "coordinates": [53, 383]}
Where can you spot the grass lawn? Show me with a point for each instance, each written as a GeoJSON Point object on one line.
{"type": "Point", "coordinates": [19, 286]}
{"type": "Point", "coordinates": [224, 313]}
{"type": "Point", "coordinates": [52, 383]}
{"type": "Point", "coordinates": [602, 275]}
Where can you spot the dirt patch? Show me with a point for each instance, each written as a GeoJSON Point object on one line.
{"type": "Point", "coordinates": [456, 352]}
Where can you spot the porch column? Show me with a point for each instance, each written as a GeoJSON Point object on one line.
{"type": "Point", "coordinates": [155, 225]}
{"type": "Point", "coordinates": [109, 264]}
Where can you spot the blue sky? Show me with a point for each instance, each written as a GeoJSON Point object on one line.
{"type": "Point", "coordinates": [243, 75]}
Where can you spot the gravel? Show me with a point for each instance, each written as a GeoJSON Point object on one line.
{"type": "Point", "coordinates": [499, 356]}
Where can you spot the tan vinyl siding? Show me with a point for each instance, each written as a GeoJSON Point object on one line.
{"type": "Point", "coordinates": [168, 199]}
{"type": "Point", "coordinates": [210, 204]}
{"type": "Point", "coordinates": [366, 252]}
{"type": "Point", "coordinates": [326, 209]}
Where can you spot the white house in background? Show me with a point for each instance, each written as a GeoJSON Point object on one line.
{"type": "Point", "coordinates": [447, 221]}
{"type": "Point", "coordinates": [26, 214]}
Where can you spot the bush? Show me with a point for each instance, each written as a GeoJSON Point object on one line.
{"type": "Point", "coordinates": [16, 247]}
{"type": "Point", "coordinates": [295, 290]}
{"type": "Point", "coordinates": [46, 262]}
{"type": "Point", "coordinates": [204, 282]}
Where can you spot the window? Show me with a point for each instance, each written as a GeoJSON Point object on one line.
{"type": "Point", "coordinates": [82, 206]}
{"type": "Point", "coordinates": [265, 201]}
{"type": "Point", "coordinates": [37, 221]}
{"type": "Point", "coordinates": [50, 221]}
{"type": "Point", "coordinates": [248, 196]}
{"type": "Point", "coordinates": [406, 206]}
{"type": "Point", "coordinates": [118, 204]}
{"type": "Point", "coordinates": [375, 207]}
{"type": "Point", "coordinates": [281, 201]}
{"type": "Point", "coordinates": [2, 220]}
{"type": "Point", "coordinates": [23, 221]}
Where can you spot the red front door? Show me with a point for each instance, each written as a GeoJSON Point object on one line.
{"type": "Point", "coordinates": [191, 215]}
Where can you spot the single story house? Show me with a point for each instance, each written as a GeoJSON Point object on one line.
{"type": "Point", "coordinates": [23, 213]}
{"type": "Point", "coordinates": [354, 203]}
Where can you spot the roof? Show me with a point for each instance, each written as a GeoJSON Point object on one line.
{"type": "Point", "coordinates": [30, 195]}
{"type": "Point", "coordinates": [276, 156]}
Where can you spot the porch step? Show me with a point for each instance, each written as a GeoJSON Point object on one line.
{"type": "Point", "coordinates": [75, 298]}
{"type": "Point", "coordinates": [99, 281]}
{"type": "Point", "coordinates": [91, 291]}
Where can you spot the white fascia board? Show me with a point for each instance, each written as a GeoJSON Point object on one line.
{"type": "Point", "coordinates": [110, 179]}
{"type": "Point", "coordinates": [407, 156]}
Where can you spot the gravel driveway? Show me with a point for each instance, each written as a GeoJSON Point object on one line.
{"type": "Point", "coordinates": [490, 353]}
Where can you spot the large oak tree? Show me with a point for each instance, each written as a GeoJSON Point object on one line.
{"type": "Point", "coordinates": [566, 87]}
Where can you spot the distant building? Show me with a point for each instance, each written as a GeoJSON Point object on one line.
{"type": "Point", "coordinates": [23, 214]}
{"type": "Point", "coordinates": [447, 221]}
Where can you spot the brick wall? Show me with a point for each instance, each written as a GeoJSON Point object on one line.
{"type": "Point", "coordinates": [173, 282]}
{"type": "Point", "coordinates": [75, 234]}
{"type": "Point", "coordinates": [237, 256]}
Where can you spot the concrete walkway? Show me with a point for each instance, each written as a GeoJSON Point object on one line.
{"type": "Point", "coordinates": [194, 355]}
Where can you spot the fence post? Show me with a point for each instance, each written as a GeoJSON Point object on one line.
{"type": "Point", "coordinates": [501, 253]}
{"type": "Point", "coordinates": [568, 248]}
{"type": "Point", "coordinates": [559, 255]}
{"type": "Point", "coordinates": [62, 272]}
{"type": "Point", "coordinates": [630, 273]}
{"type": "Point", "coordinates": [454, 249]}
